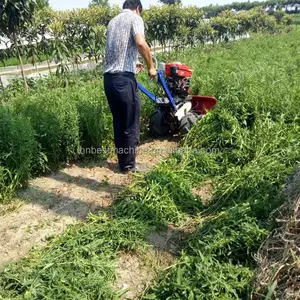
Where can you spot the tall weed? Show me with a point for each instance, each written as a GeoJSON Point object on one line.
{"type": "Point", "coordinates": [18, 148]}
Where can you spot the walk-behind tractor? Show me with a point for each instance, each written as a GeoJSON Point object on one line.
{"type": "Point", "coordinates": [176, 110]}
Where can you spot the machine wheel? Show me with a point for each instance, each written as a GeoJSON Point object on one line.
{"type": "Point", "coordinates": [157, 125]}
{"type": "Point", "coordinates": [187, 122]}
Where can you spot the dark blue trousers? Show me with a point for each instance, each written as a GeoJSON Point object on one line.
{"type": "Point", "coordinates": [121, 90]}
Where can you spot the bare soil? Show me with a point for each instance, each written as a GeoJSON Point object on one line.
{"type": "Point", "coordinates": [204, 191]}
{"type": "Point", "coordinates": [136, 272]}
{"type": "Point", "coordinates": [66, 197]}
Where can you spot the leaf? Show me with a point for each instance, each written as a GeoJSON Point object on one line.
{"type": "Point", "coordinates": [271, 290]}
{"type": "Point", "coordinates": [150, 297]}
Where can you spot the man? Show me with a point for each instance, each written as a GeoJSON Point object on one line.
{"type": "Point", "coordinates": [125, 39]}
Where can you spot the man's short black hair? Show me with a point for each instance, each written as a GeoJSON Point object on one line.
{"type": "Point", "coordinates": [133, 5]}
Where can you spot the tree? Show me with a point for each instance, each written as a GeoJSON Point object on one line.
{"type": "Point", "coordinates": [170, 2]}
{"type": "Point", "coordinates": [103, 3]}
{"type": "Point", "coordinates": [16, 17]}
{"type": "Point", "coordinates": [42, 4]}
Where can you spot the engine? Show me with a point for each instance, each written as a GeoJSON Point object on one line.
{"type": "Point", "coordinates": [178, 77]}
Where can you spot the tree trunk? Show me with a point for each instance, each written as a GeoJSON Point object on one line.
{"type": "Point", "coordinates": [48, 63]}
{"type": "Point", "coordinates": [2, 87]}
{"type": "Point", "coordinates": [22, 70]}
{"type": "Point", "coordinates": [21, 63]}
{"type": "Point", "coordinates": [37, 70]}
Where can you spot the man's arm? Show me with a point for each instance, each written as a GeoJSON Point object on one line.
{"type": "Point", "coordinates": [145, 52]}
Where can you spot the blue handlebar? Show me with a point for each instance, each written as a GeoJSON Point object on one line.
{"type": "Point", "coordinates": [162, 82]}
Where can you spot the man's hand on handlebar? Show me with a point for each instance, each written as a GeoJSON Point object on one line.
{"type": "Point", "coordinates": [151, 67]}
{"type": "Point", "coordinates": [152, 73]}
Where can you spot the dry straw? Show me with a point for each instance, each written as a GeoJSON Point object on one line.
{"type": "Point", "coordinates": [279, 270]}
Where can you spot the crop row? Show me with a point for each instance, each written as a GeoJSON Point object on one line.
{"type": "Point", "coordinates": [47, 127]}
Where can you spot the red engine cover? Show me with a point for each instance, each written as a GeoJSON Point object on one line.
{"type": "Point", "coordinates": [183, 70]}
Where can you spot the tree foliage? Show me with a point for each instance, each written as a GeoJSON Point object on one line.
{"type": "Point", "coordinates": [170, 2]}
{"type": "Point", "coordinates": [103, 3]}
{"type": "Point", "coordinates": [271, 5]}
{"type": "Point", "coordinates": [41, 4]}
{"type": "Point", "coordinates": [15, 16]}
{"type": "Point", "coordinates": [188, 26]}
{"type": "Point", "coordinates": [80, 33]}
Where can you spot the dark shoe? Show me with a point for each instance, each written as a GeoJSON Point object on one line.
{"type": "Point", "coordinates": [136, 169]}
{"type": "Point", "coordinates": [140, 169]}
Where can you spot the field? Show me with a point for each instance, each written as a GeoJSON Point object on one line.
{"type": "Point", "coordinates": [213, 203]}
{"type": "Point", "coordinates": [296, 19]}
{"type": "Point", "coordinates": [14, 62]}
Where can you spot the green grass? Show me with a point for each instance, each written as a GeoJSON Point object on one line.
{"type": "Point", "coordinates": [296, 19]}
{"type": "Point", "coordinates": [11, 62]}
{"type": "Point", "coordinates": [255, 128]}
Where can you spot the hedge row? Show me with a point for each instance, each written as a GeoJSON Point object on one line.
{"type": "Point", "coordinates": [43, 129]}
{"type": "Point", "coordinates": [272, 5]}
{"type": "Point", "coordinates": [176, 23]}
{"type": "Point", "coordinates": [84, 30]}
{"type": "Point", "coordinates": [47, 127]}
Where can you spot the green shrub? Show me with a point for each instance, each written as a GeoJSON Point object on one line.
{"type": "Point", "coordinates": [18, 148]}
{"type": "Point", "coordinates": [54, 118]}
{"type": "Point", "coordinates": [95, 120]}
{"type": "Point", "coordinates": [8, 185]}
{"type": "Point", "coordinates": [147, 105]}
{"type": "Point", "coordinates": [296, 19]}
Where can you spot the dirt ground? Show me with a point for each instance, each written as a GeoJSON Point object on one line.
{"type": "Point", "coordinates": [53, 202]}
{"type": "Point", "coordinates": [135, 273]}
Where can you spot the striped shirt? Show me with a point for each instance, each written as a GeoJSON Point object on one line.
{"type": "Point", "coordinates": [121, 50]}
